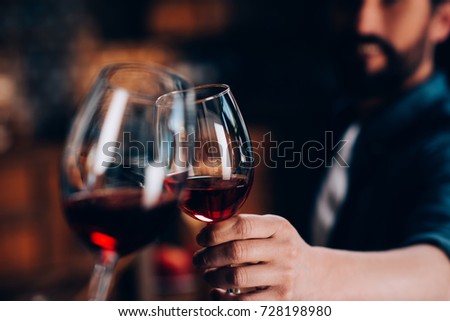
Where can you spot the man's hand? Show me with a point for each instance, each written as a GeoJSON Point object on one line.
{"type": "Point", "coordinates": [278, 255]}
{"type": "Point", "coordinates": [283, 267]}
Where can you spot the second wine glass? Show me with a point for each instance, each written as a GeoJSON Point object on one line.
{"type": "Point", "coordinates": [122, 169]}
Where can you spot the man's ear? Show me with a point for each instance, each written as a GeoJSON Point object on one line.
{"type": "Point", "coordinates": [440, 23]}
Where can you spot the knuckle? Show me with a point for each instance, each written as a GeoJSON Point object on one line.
{"type": "Point", "coordinates": [212, 238]}
{"type": "Point", "coordinates": [236, 277]}
{"type": "Point", "coordinates": [276, 218]}
{"type": "Point", "coordinates": [285, 224]}
{"type": "Point", "coordinates": [243, 226]}
{"type": "Point", "coordinates": [235, 251]}
{"type": "Point", "coordinates": [285, 293]}
{"type": "Point", "coordinates": [213, 234]}
{"type": "Point", "coordinates": [281, 224]}
{"type": "Point", "coordinates": [292, 250]}
{"type": "Point", "coordinates": [289, 274]}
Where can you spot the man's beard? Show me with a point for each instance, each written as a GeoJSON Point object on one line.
{"type": "Point", "coordinates": [360, 84]}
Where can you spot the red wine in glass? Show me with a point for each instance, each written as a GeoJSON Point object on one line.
{"type": "Point", "coordinates": [115, 219]}
{"type": "Point", "coordinates": [212, 199]}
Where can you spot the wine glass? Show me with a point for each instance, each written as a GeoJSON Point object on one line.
{"type": "Point", "coordinates": [221, 174]}
{"type": "Point", "coordinates": [125, 162]}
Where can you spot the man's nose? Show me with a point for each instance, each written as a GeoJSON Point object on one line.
{"type": "Point", "coordinates": [369, 20]}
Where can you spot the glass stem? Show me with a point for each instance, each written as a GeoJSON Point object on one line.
{"type": "Point", "coordinates": [101, 275]}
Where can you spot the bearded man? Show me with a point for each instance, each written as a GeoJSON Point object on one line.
{"type": "Point", "coordinates": [380, 228]}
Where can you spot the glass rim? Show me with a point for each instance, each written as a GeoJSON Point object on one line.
{"type": "Point", "coordinates": [225, 89]}
{"type": "Point", "coordinates": [110, 69]}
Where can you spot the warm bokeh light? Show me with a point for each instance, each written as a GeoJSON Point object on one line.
{"type": "Point", "coordinates": [104, 241]}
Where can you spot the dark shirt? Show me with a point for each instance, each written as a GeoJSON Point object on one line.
{"type": "Point", "coordinates": [399, 177]}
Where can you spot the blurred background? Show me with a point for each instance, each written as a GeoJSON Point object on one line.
{"type": "Point", "coordinates": [273, 55]}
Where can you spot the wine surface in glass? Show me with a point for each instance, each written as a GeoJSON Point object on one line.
{"type": "Point", "coordinates": [212, 199]}
{"type": "Point", "coordinates": [116, 219]}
